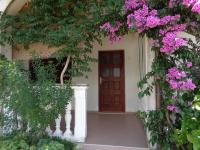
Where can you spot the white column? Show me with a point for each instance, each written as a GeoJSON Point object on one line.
{"type": "Point", "coordinates": [80, 97]}
{"type": "Point", "coordinates": [68, 117]}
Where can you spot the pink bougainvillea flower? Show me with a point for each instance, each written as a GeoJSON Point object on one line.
{"type": "Point", "coordinates": [153, 42]}
{"type": "Point", "coordinates": [152, 21]}
{"type": "Point", "coordinates": [171, 42]}
{"type": "Point", "coordinates": [173, 84]}
{"type": "Point", "coordinates": [189, 64]}
{"type": "Point", "coordinates": [187, 85]}
{"type": "Point", "coordinates": [174, 73]}
{"type": "Point", "coordinates": [189, 3]}
{"type": "Point", "coordinates": [172, 108]}
{"type": "Point", "coordinates": [144, 18]}
{"type": "Point", "coordinates": [167, 19]}
{"type": "Point", "coordinates": [174, 97]}
{"type": "Point", "coordinates": [195, 4]}
{"type": "Point", "coordinates": [178, 80]}
{"type": "Point", "coordinates": [196, 7]}
{"type": "Point", "coordinates": [133, 4]}
{"type": "Point", "coordinates": [113, 37]}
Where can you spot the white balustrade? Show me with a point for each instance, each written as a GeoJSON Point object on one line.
{"type": "Point", "coordinates": [80, 114]}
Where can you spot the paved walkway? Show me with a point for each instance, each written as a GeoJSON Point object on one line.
{"type": "Point", "coordinates": [123, 130]}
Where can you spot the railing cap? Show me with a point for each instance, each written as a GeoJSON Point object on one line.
{"type": "Point", "coordinates": [80, 86]}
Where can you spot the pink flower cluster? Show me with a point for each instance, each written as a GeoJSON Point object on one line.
{"type": "Point", "coordinates": [171, 41]}
{"type": "Point", "coordinates": [178, 80]}
{"type": "Point", "coordinates": [172, 108]}
{"type": "Point", "coordinates": [143, 19]}
{"type": "Point", "coordinates": [133, 4]}
{"type": "Point", "coordinates": [169, 19]}
{"type": "Point", "coordinates": [113, 37]}
{"type": "Point", "coordinates": [195, 4]}
{"type": "Point", "coordinates": [189, 64]}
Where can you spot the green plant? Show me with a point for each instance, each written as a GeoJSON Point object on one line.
{"type": "Point", "coordinates": [33, 141]}
{"type": "Point", "coordinates": [37, 103]}
{"type": "Point", "coordinates": [13, 144]}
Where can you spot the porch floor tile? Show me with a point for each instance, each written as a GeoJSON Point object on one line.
{"type": "Point", "coordinates": [116, 130]}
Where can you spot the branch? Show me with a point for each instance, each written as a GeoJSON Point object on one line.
{"type": "Point", "coordinates": [64, 70]}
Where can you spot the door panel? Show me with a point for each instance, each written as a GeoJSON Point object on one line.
{"type": "Point", "coordinates": [111, 81]}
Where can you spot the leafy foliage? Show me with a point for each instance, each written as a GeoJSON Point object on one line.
{"type": "Point", "coordinates": [69, 24]}
{"type": "Point", "coordinates": [36, 103]}
{"type": "Point", "coordinates": [25, 141]}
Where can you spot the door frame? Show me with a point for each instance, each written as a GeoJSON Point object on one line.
{"type": "Point", "coordinates": [123, 76]}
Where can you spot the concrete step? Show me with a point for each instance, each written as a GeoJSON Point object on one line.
{"type": "Point", "coordinates": [109, 147]}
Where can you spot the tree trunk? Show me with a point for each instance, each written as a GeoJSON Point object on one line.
{"type": "Point", "coordinates": [64, 70]}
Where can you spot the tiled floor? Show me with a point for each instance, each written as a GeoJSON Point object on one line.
{"type": "Point", "coordinates": [115, 130]}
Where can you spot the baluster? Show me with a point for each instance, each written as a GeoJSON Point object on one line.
{"type": "Point", "coordinates": [68, 118]}
{"type": "Point", "coordinates": [58, 132]}
{"type": "Point", "coordinates": [19, 122]}
{"type": "Point", "coordinates": [28, 128]}
{"type": "Point", "coordinates": [49, 131]}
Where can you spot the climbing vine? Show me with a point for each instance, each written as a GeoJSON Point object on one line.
{"type": "Point", "coordinates": [175, 124]}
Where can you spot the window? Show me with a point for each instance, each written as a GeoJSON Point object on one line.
{"type": "Point", "coordinates": [58, 66]}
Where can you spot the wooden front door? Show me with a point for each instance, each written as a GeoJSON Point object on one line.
{"type": "Point", "coordinates": [111, 81]}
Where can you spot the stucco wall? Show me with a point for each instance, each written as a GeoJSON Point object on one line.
{"type": "Point", "coordinates": [131, 52]}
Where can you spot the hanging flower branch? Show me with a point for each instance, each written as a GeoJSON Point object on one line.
{"type": "Point", "coordinates": [163, 21]}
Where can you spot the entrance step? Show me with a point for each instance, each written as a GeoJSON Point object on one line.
{"type": "Point", "coordinates": [109, 147]}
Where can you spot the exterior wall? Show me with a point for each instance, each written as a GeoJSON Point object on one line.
{"type": "Point", "coordinates": [131, 52]}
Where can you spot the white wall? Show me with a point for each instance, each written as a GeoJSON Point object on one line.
{"type": "Point", "coordinates": [148, 102]}
{"type": "Point", "coordinates": [131, 52]}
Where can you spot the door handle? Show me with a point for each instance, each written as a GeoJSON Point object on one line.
{"type": "Point", "coordinates": [100, 80]}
